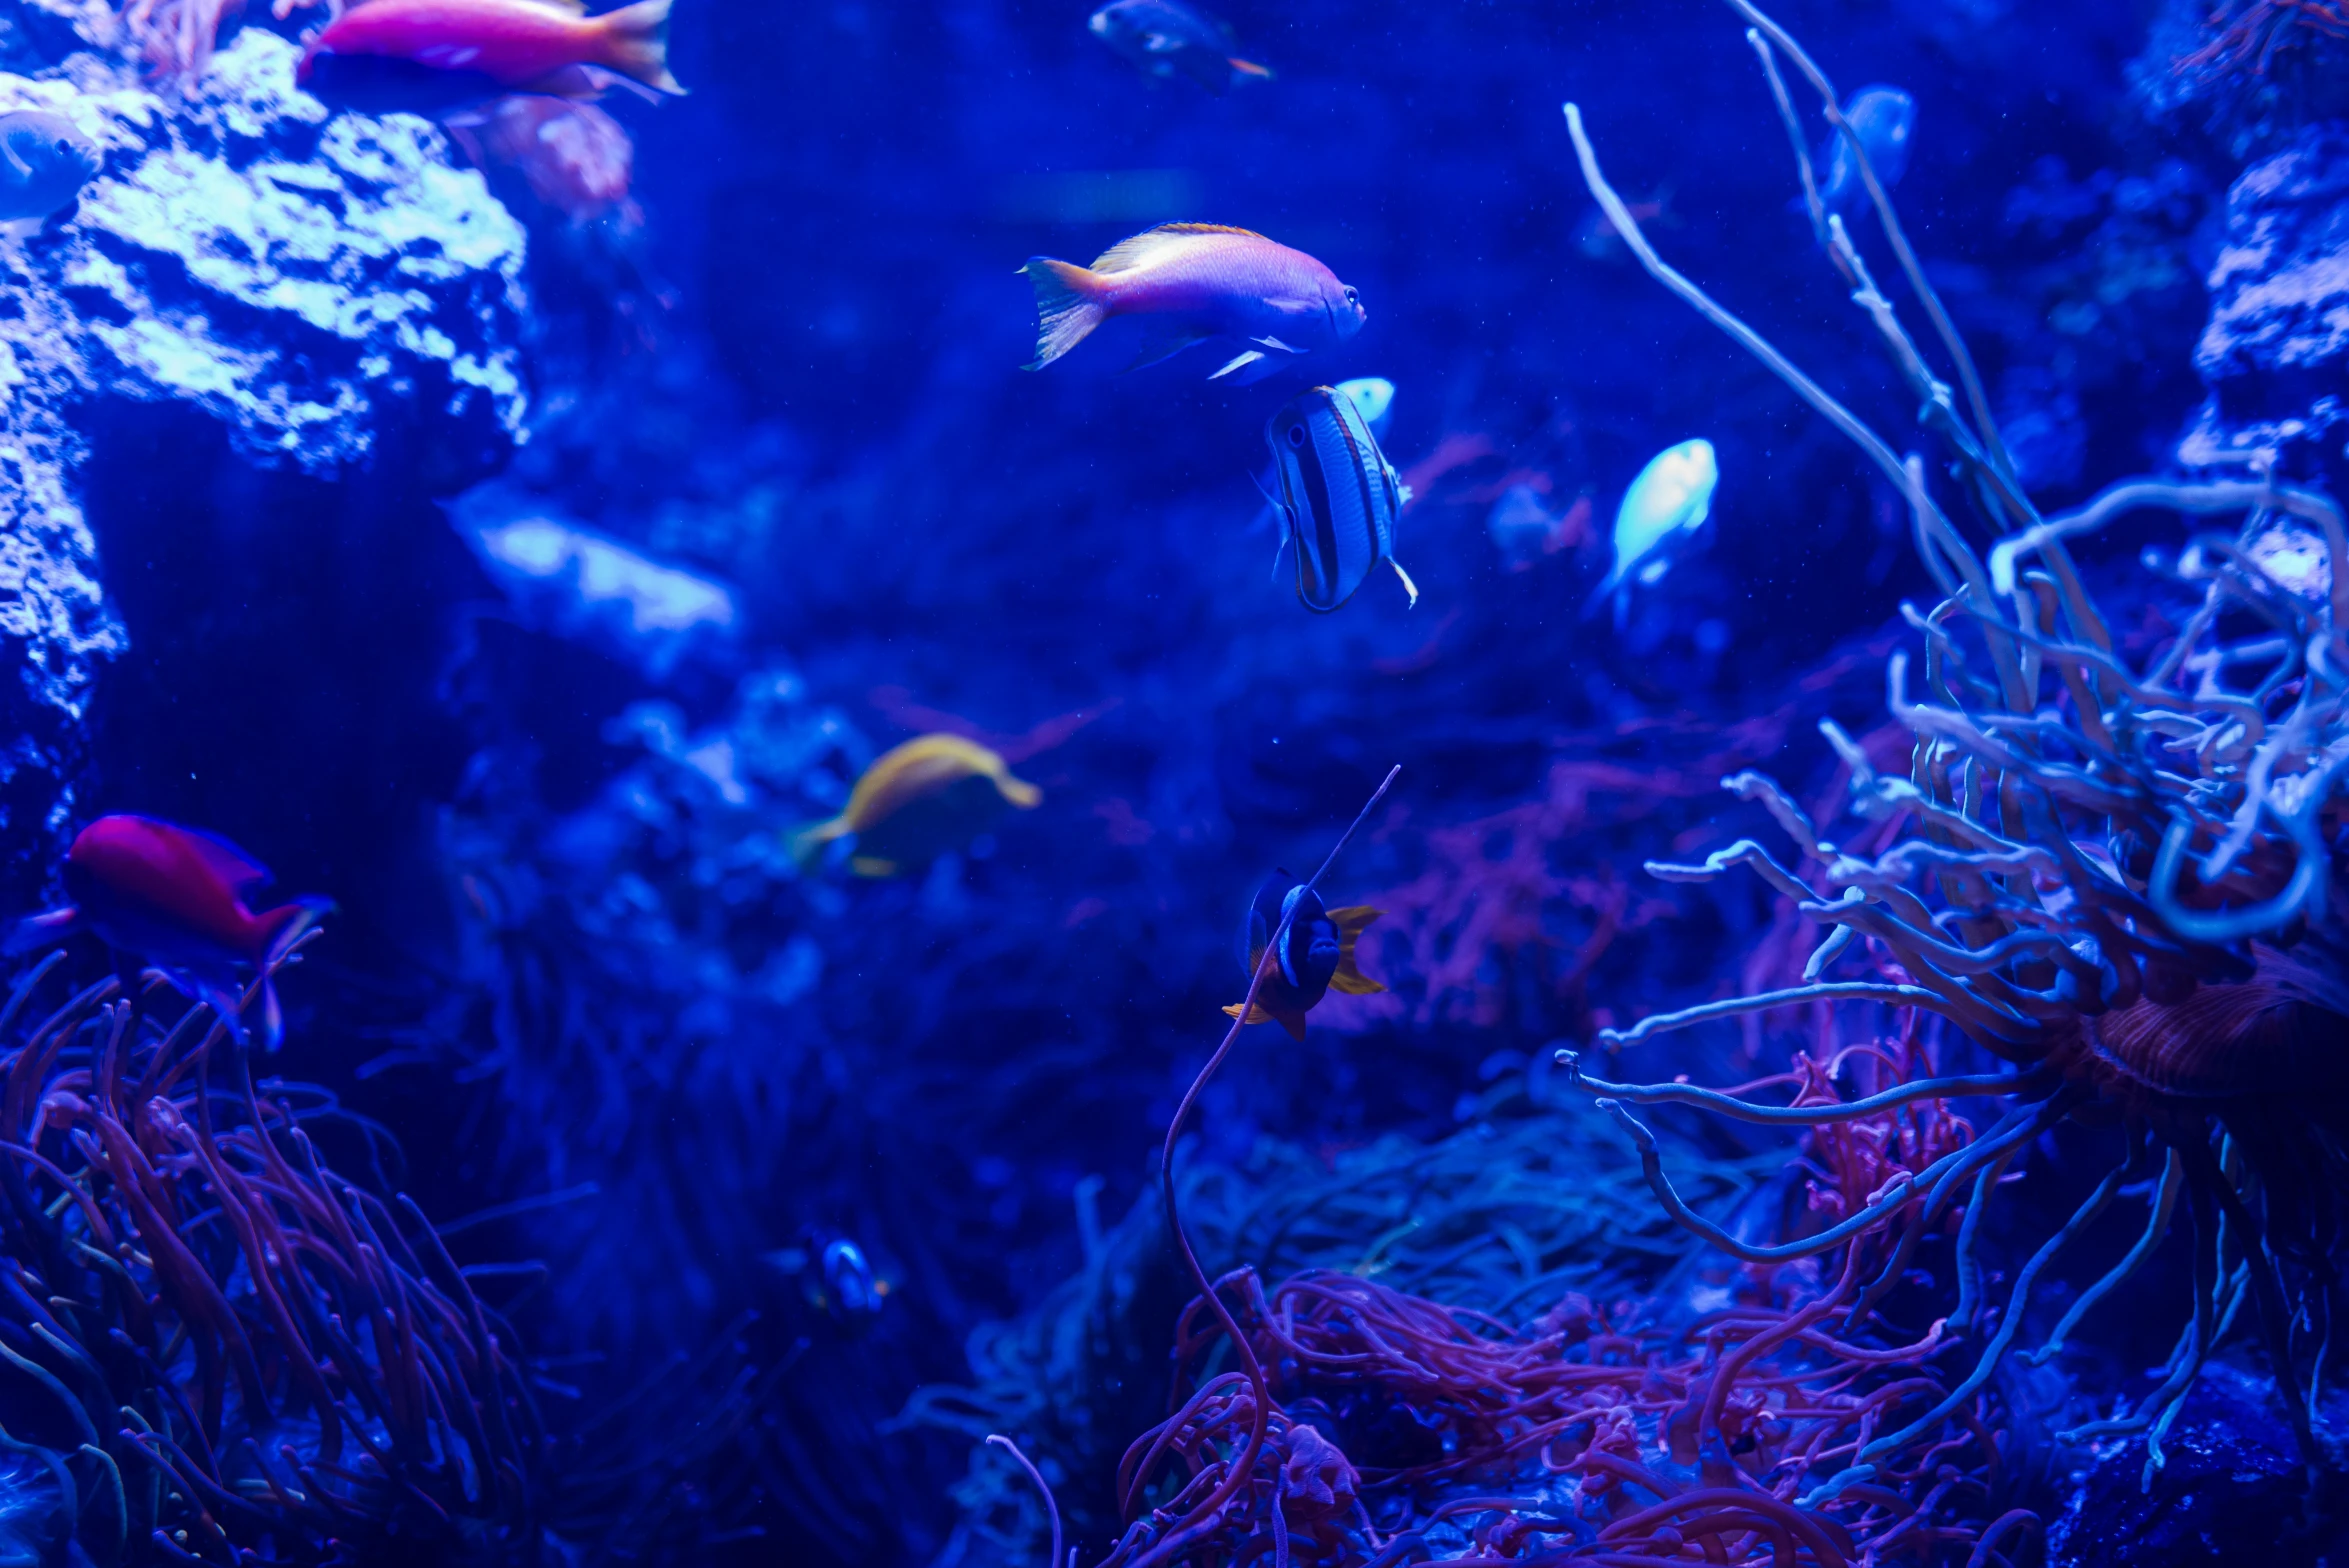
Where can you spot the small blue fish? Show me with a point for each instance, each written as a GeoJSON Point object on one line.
{"type": "Point", "coordinates": [1882, 118]}
{"type": "Point", "coordinates": [836, 1278]}
{"type": "Point", "coordinates": [1162, 37]}
{"type": "Point", "coordinates": [1339, 497]}
{"type": "Point", "coordinates": [1664, 507]}
{"type": "Point", "coordinates": [44, 163]}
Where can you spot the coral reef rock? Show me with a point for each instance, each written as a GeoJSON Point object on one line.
{"type": "Point", "coordinates": [2276, 352]}
{"type": "Point", "coordinates": [323, 286]}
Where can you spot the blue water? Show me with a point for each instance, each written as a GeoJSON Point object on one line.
{"type": "Point", "coordinates": [521, 523]}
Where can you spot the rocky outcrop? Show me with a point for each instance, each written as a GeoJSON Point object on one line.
{"type": "Point", "coordinates": [2276, 352]}
{"type": "Point", "coordinates": [326, 287]}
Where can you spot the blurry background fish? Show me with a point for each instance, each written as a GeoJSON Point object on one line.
{"type": "Point", "coordinates": [1524, 529]}
{"type": "Point", "coordinates": [1163, 37]}
{"type": "Point", "coordinates": [1658, 521]}
{"type": "Point", "coordinates": [576, 158]}
{"type": "Point", "coordinates": [1375, 396]}
{"type": "Point", "coordinates": [835, 1277]}
{"type": "Point", "coordinates": [1595, 235]}
{"type": "Point", "coordinates": [919, 802]}
{"type": "Point", "coordinates": [44, 163]}
{"type": "Point", "coordinates": [1882, 117]}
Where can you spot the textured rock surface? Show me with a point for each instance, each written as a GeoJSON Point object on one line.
{"type": "Point", "coordinates": [2231, 1491]}
{"type": "Point", "coordinates": [2276, 352]}
{"type": "Point", "coordinates": [322, 286]}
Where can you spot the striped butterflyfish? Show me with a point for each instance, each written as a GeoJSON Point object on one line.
{"type": "Point", "coordinates": [1315, 955]}
{"type": "Point", "coordinates": [1338, 494]}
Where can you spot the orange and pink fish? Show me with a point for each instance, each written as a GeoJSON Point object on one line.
{"type": "Point", "coordinates": [1207, 281]}
{"type": "Point", "coordinates": [439, 56]}
{"type": "Point", "coordinates": [178, 898]}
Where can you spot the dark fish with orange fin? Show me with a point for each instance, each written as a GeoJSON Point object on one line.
{"type": "Point", "coordinates": [1315, 958]}
{"type": "Point", "coordinates": [177, 898]}
{"type": "Point", "coordinates": [1162, 37]}
{"type": "Point", "coordinates": [436, 56]}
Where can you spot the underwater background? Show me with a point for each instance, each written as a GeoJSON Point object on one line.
{"type": "Point", "coordinates": [523, 520]}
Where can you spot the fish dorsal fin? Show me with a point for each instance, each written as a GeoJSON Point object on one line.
{"type": "Point", "coordinates": [1126, 255]}
{"type": "Point", "coordinates": [223, 859]}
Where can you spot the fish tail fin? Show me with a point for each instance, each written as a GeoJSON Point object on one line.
{"type": "Point", "coordinates": [227, 1001]}
{"type": "Point", "coordinates": [35, 932]}
{"type": "Point", "coordinates": [1070, 302]}
{"type": "Point", "coordinates": [1352, 921]}
{"type": "Point", "coordinates": [807, 844]}
{"type": "Point", "coordinates": [636, 44]}
{"type": "Point", "coordinates": [286, 924]}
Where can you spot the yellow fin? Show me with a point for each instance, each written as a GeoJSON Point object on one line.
{"type": "Point", "coordinates": [1353, 982]}
{"type": "Point", "coordinates": [807, 844]}
{"type": "Point", "coordinates": [1018, 791]}
{"type": "Point", "coordinates": [872, 866]}
{"type": "Point", "coordinates": [1126, 255]}
{"type": "Point", "coordinates": [1261, 1014]}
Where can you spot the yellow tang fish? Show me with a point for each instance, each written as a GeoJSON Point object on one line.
{"type": "Point", "coordinates": [920, 800]}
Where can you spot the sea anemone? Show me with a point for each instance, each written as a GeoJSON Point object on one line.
{"type": "Point", "coordinates": [2127, 856]}
{"type": "Point", "coordinates": [219, 1348]}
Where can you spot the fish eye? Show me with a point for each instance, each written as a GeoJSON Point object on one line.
{"type": "Point", "coordinates": [1352, 296]}
{"type": "Point", "coordinates": [1296, 435]}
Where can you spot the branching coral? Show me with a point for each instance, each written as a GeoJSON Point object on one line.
{"type": "Point", "coordinates": [2126, 864]}
{"type": "Point", "coordinates": [223, 1350]}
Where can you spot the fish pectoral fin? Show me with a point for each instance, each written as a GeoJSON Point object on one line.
{"type": "Point", "coordinates": [1294, 1022]}
{"type": "Point", "coordinates": [1162, 43]}
{"type": "Point", "coordinates": [1275, 344]}
{"type": "Point", "coordinates": [1238, 362]}
{"type": "Point", "coordinates": [1279, 553]}
{"type": "Point", "coordinates": [1409, 586]}
{"type": "Point", "coordinates": [44, 930]}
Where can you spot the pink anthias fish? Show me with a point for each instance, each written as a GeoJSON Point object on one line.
{"type": "Point", "coordinates": [1212, 281]}
{"type": "Point", "coordinates": [176, 897]}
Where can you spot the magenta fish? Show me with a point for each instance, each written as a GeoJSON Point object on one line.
{"type": "Point", "coordinates": [1210, 281]}
{"type": "Point", "coordinates": [176, 897]}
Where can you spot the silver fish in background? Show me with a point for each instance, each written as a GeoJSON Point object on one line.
{"type": "Point", "coordinates": [1163, 37]}
{"type": "Point", "coordinates": [44, 163]}
{"type": "Point", "coordinates": [1339, 497]}
{"type": "Point", "coordinates": [1883, 118]}
{"type": "Point", "coordinates": [1661, 512]}
{"type": "Point", "coordinates": [1375, 396]}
